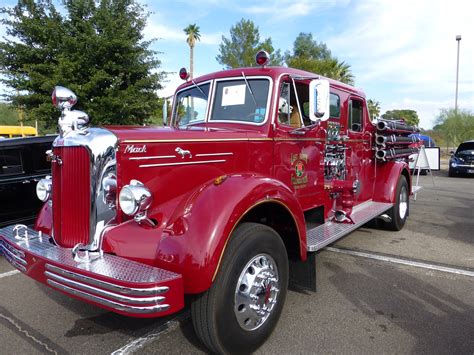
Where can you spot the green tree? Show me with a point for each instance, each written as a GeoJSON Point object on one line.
{"type": "Point", "coordinates": [96, 48]}
{"type": "Point", "coordinates": [8, 115]}
{"type": "Point", "coordinates": [455, 127]}
{"type": "Point", "coordinates": [307, 47]}
{"type": "Point", "coordinates": [240, 49]}
{"type": "Point", "coordinates": [374, 108]}
{"type": "Point", "coordinates": [409, 116]}
{"type": "Point", "coordinates": [315, 57]}
{"type": "Point", "coordinates": [193, 35]}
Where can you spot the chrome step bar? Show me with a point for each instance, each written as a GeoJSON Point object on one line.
{"type": "Point", "coordinates": [327, 233]}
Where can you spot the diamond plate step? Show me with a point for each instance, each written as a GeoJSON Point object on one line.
{"type": "Point", "coordinates": [322, 235]}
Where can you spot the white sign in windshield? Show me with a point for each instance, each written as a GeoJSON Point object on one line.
{"type": "Point", "coordinates": [233, 95]}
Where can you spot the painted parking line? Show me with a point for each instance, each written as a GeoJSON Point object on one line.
{"type": "Point", "coordinates": [9, 273]}
{"type": "Point", "coordinates": [151, 336]}
{"type": "Point", "coordinates": [402, 261]}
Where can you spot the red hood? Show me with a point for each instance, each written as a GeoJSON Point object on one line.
{"type": "Point", "coordinates": [155, 133]}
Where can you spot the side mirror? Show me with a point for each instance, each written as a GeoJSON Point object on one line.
{"type": "Point", "coordinates": [319, 100]}
{"type": "Point", "coordinates": [451, 152]}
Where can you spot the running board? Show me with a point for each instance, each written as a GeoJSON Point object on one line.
{"type": "Point", "coordinates": [329, 232]}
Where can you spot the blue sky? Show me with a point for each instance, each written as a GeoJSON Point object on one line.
{"type": "Point", "coordinates": [402, 53]}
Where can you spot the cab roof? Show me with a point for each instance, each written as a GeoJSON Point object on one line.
{"type": "Point", "coordinates": [275, 73]}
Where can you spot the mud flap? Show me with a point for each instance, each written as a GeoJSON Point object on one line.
{"type": "Point", "coordinates": [303, 273]}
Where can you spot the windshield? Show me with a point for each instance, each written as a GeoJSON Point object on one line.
{"type": "Point", "coordinates": [466, 148]}
{"type": "Point", "coordinates": [241, 100]}
{"type": "Point", "coordinates": [191, 105]}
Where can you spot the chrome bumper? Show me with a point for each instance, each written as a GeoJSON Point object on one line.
{"type": "Point", "coordinates": [120, 285]}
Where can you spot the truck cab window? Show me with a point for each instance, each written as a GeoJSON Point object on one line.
{"type": "Point", "coordinates": [355, 115]}
{"type": "Point", "coordinates": [191, 105]}
{"type": "Point", "coordinates": [335, 105]}
{"type": "Point", "coordinates": [293, 105]}
{"type": "Point", "coordinates": [241, 100]}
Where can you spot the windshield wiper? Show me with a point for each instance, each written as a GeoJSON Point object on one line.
{"type": "Point", "coordinates": [202, 92]}
{"type": "Point", "coordinates": [251, 92]}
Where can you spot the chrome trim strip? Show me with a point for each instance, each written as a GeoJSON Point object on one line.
{"type": "Point", "coordinates": [464, 166]}
{"type": "Point", "coordinates": [300, 139]}
{"type": "Point", "coordinates": [14, 263]}
{"type": "Point", "coordinates": [11, 254]}
{"type": "Point", "coordinates": [213, 154]}
{"type": "Point", "coordinates": [115, 305]}
{"type": "Point", "coordinates": [153, 157]}
{"type": "Point", "coordinates": [114, 296]}
{"type": "Point", "coordinates": [107, 285]}
{"type": "Point", "coordinates": [192, 140]}
{"type": "Point", "coordinates": [18, 253]}
{"type": "Point", "coordinates": [184, 163]}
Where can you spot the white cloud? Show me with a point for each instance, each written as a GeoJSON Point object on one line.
{"type": "Point", "coordinates": [289, 9]}
{"type": "Point", "coordinates": [409, 47]}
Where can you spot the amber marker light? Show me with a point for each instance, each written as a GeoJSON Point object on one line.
{"type": "Point", "coordinates": [220, 180]}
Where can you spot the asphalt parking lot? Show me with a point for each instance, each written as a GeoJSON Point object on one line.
{"type": "Point", "coordinates": [378, 292]}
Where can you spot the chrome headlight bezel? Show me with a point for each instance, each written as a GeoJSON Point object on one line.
{"type": "Point", "coordinates": [135, 198]}
{"type": "Point", "coordinates": [44, 188]}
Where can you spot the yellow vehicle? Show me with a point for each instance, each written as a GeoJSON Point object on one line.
{"type": "Point", "coordinates": [17, 131]}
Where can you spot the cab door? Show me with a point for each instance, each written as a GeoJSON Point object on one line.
{"type": "Point", "coordinates": [298, 151]}
{"type": "Point", "coordinates": [360, 155]}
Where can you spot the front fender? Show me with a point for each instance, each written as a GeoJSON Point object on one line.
{"type": "Point", "coordinates": [387, 176]}
{"type": "Point", "coordinates": [44, 219]}
{"type": "Point", "coordinates": [198, 231]}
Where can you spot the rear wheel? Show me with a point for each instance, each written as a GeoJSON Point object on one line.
{"type": "Point", "coordinates": [399, 212]}
{"type": "Point", "coordinates": [242, 307]}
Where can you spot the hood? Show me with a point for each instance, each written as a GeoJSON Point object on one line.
{"type": "Point", "coordinates": [137, 134]}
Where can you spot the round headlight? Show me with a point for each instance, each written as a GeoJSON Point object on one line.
{"type": "Point", "coordinates": [453, 164]}
{"type": "Point", "coordinates": [43, 189]}
{"type": "Point", "coordinates": [134, 198]}
{"type": "Point", "coordinates": [127, 201]}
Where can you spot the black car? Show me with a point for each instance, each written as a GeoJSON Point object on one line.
{"type": "Point", "coordinates": [462, 162]}
{"type": "Point", "coordinates": [22, 164]}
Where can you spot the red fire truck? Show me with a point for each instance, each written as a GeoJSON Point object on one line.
{"type": "Point", "coordinates": [256, 170]}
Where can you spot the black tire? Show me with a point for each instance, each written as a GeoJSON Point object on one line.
{"type": "Point", "coordinates": [399, 212]}
{"type": "Point", "coordinates": [215, 312]}
{"type": "Point", "coordinates": [451, 173]}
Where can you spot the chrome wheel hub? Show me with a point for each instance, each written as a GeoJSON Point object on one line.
{"type": "Point", "coordinates": [256, 292]}
{"type": "Point", "coordinates": [403, 202]}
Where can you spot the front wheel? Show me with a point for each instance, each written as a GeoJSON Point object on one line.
{"type": "Point", "coordinates": [242, 307]}
{"type": "Point", "coordinates": [399, 212]}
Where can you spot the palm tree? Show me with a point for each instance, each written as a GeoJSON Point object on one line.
{"type": "Point", "coordinates": [329, 67]}
{"type": "Point", "coordinates": [374, 108]}
{"type": "Point", "coordinates": [342, 72]}
{"type": "Point", "coordinates": [192, 31]}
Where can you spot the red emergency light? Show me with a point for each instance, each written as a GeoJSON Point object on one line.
{"type": "Point", "coordinates": [262, 58]}
{"type": "Point", "coordinates": [183, 74]}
